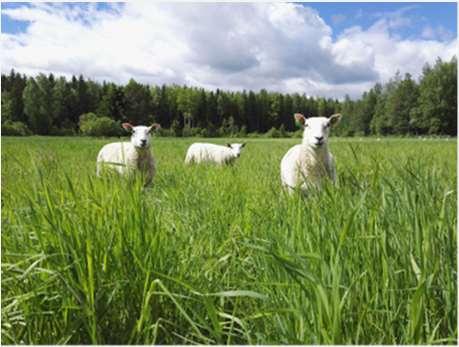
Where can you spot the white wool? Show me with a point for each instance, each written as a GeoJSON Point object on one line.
{"type": "Point", "coordinates": [209, 152]}
{"type": "Point", "coordinates": [129, 157]}
{"type": "Point", "coordinates": [309, 163]}
{"type": "Point", "coordinates": [303, 167]}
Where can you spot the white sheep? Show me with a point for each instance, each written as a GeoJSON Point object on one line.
{"type": "Point", "coordinates": [127, 157]}
{"type": "Point", "coordinates": [307, 164]}
{"type": "Point", "coordinates": [208, 152]}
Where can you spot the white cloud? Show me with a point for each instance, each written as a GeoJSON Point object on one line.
{"type": "Point", "coordinates": [428, 32]}
{"type": "Point", "coordinates": [436, 33]}
{"type": "Point", "coordinates": [282, 46]}
{"type": "Point", "coordinates": [398, 18]}
{"type": "Point", "coordinates": [391, 55]}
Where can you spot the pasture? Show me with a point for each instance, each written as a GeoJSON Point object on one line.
{"type": "Point", "coordinates": [220, 255]}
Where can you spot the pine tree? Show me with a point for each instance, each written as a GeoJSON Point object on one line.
{"type": "Point", "coordinates": [163, 115]}
{"type": "Point", "coordinates": [138, 105]}
{"type": "Point", "coordinates": [38, 104]}
{"type": "Point", "coordinates": [112, 103]}
{"type": "Point", "coordinates": [15, 84]}
{"type": "Point", "coordinates": [62, 99]}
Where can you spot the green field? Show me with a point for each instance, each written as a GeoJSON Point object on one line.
{"type": "Point", "coordinates": [214, 255]}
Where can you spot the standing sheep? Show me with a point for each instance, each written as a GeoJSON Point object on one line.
{"type": "Point", "coordinates": [126, 157]}
{"type": "Point", "coordinates": [208, 152]}
{"type": "Point", "coordinates": [307, 164]}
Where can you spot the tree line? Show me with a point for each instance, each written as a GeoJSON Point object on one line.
{"type": "Point", "coordinates": [50, 105]}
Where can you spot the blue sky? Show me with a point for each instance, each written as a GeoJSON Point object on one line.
{"type": "Point", "coordinates": [338, 15]}
{"type": "Point", "coordinates": [13, 26]}
{"type": "Point", "coordinates": [10, 25]}
{"type": "Point", "coordinates": [329, 49]}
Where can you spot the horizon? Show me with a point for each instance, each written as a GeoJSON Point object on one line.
{"type": "Point", "coordinates": [240, 91]}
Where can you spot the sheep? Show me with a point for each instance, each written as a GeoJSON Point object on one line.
{"type": "Point", "coordinates": [127, 157]}
{"type": "Point", "coordinates": [208, 152]}
{"type": "Point", "coordinates": [307, 164]}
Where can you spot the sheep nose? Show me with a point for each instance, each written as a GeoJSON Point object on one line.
{"type": "Point", "coordinates": [320, 138]}
{"type": "Point", "coordinates": [143, 142]}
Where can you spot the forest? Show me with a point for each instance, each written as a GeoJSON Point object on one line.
{"type": "Point", "coordinates": [51, 105]}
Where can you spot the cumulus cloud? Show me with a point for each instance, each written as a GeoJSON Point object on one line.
{"type": "Point", "coordinates": [281, 47]}
{"type": "Point", "coordinates": [391, 55]}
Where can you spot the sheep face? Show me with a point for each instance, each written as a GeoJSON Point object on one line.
{"type": "Point", "coordinates": [316, 129]}
{"type": "Point", "coordinates": [140, 135]}
{"type": "Point", "coordinates": [236, 148]}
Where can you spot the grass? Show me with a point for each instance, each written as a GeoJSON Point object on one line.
{"type": "Point", "coordinates": [213, 255]}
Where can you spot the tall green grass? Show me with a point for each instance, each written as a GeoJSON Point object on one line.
{"type": "Point", "coordinates": [212, 255]}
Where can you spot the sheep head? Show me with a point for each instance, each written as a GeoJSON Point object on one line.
{"type": "Point", "coordinates": [140, 135]}
{"type": "Point", "coordinates": [316, 129]}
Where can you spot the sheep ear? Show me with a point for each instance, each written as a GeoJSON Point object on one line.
{"type": "Point", "coordinates": [155, 126]}
{"type": "Point", "coordinates": [127, 126]}
{"type": "Point", "coordinates": [228, 145]}
{"type": "Point", "coordinates": [334, 119]}
{"type": "Point", "coordinates": [300, 120]}
{"type": "Point", "coordinates": [243, 145]}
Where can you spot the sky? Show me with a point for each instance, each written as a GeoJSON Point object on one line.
{"type": "Point", "coordinates": [319, 49]}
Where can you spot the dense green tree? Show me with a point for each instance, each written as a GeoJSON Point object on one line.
{"type": "Point", "coordinates": [344, 127]}
{"type": "Point", "coordinates": [322, 109]}
{"type": "Point", "coordinates": [366, 110]}
{"type": "Point", "coordinates": [14, 85]}
{"type": "Point", "coordinates": [213, 115]}
{"type": "Point", "coordinates": [437, 111]}
{"type": "Point", "coordinates": [185, 105]}
{"type": "Point", "coordinates": [201, 109]}
{"type": "Point", "coordinates": [138, 107]}
{"type": "Point", "coordinates": [82, 96]}
{"type": "Point", "coordinates": [276, 110]}
{"type": "Point", "coordinates": [393, 112]}
{"type": "Point", "coordinates": [287, 119]}
{"type": "Point", "coordinates": [379, 124]}
{"type": "Point", "coordinates": [112, 103]}
{"type": "Point", "coordinates": [237, 109]}
{"type": "Point", "coordinates": [94, 91]}
{"type": "Point", "coordinates": [163, 108]}
{"type": "Point", "coordinates": [311, 107]}
{"type": "Point", "coordinates": [225, 107]}
{"type": "Point", "coordinates": [400, 106]}
{"type": "Point", "coordinates": [7, 100]}
{"type": "Point", "coordinates": [298, 104]}
{"type": "Point", "coordinates": [63, 97]}
{"type": "Point", "coordinates": [382, 122]}
{"type": "Point", "coordinates": [38, 104]}
{"type": "Point", "coordinates": [251, 113]}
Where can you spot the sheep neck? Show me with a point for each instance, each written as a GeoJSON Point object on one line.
{"type": "Point", "coordinates": [143, 161]}
{"type": "Point", "coordinates": [143, 152]}
{"type": "Point", "coordinates": [320, 153]}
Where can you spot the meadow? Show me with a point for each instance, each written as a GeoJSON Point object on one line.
{"type": "Point", "coordinates": [221, 255]}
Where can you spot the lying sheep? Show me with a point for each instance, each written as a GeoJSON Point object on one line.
{"type": "Point", "coordinates": [126, 157]}
{"type": "Point", "coordinates": [208, 152]}
{"type": "Point", "coordinates": [309, 163]}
